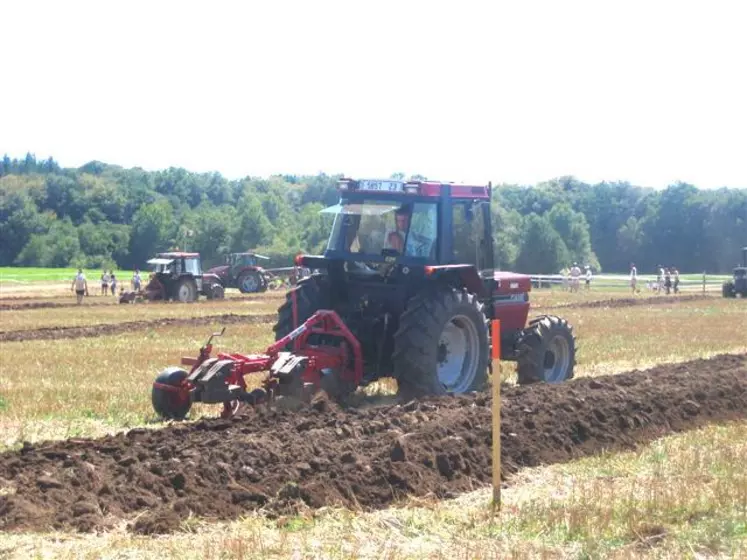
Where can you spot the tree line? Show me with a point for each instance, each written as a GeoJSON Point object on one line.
{"type": "Point", "coordinates": [102, 215]}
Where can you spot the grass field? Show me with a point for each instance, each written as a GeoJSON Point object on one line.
{"type": "Point", "coordinates": [683, 496]}
{"type": "Point", "coordinates": [13, 274]}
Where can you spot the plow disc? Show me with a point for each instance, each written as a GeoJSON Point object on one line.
{"type": "Point", "coordinates": [321, 353]}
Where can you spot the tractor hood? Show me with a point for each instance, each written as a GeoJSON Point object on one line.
{"type": "Point", "coordinates": [221, 270]}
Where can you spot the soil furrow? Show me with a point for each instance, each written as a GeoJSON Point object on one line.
{"type": "Point", "coordinates": [105, 329]}
{"type": "Point", "coordinates": [626, 302]}
{"type": "Point", "coordinates": [282, 461]}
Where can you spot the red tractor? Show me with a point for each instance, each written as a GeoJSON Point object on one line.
{"type": "Point", "coordinates": [406, 288]}
{"type": "Point", "coordinates": [243, 271]}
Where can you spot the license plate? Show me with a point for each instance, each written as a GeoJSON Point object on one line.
{"type": "Point", "coordinates": [388, 186]}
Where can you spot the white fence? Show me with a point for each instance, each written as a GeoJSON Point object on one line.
{"type": "Point", "coordinates": [645, 282]}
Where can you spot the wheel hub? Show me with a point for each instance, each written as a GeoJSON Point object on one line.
{"type": "Point", "coordinates": [557, 359]}
{"type": "Point", "coordinates": [458, 355]}
{"type": "Point", "coordinates": [250, 283]}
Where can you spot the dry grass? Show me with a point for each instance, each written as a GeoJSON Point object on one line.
{"type": "Point", "coordinates": [684, 496]}
{"type": "Point", "coordinates": [611, 340]}
{"type": "Point", "coordinates": [86, 386]}
{"type": "Point", "coordinates": [87, 315]}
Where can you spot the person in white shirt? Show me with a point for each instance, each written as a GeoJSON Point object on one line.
{"type": "Point", "coordinates": [79, 286]}
{"type": "Point", "coordinates": [660, 280]}
{"type": "Point", "coordinates": [575, 277]}
{"type": "Point", "coordinates": [105, 279]}
{"type": "Point", "coordinates": [633, 277]}
{"type": "Point", "coordinates": [588, 277]}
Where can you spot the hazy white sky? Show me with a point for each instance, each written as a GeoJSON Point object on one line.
{"type": "Point", "coordinates": [647, 91]}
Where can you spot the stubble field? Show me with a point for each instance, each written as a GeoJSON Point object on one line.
{"type": "Point", "coordinates": [641, 456]}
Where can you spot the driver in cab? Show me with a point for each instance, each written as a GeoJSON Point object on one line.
{"type": "Point", "coordinates": [417, 244]}
{"type": "Point", "coordinates": [396, 239]}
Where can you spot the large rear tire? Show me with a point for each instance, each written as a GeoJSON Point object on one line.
{"type": "Point", "coordinates": [441, 345]}
{"type": "Point", "coordinates": [171, 404]}
{"type": "Point", "coordinates": [547, 351]}
{"type": "Point", "coordinates": [250, 282]}
{"type": "Point", "coordinates": [310, 297]}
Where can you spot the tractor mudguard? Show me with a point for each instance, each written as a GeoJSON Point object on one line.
{"type": "Point", "coordinates": [458, 274]}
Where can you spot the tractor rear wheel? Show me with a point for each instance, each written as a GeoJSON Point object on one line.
{"type": "Point", "coordinates": [171, 404]}
{"type": "Point", "coordinates": [249, 282]}
{"type": "Point", "coordinates": [186, 290]}
{"type": "Point", "coordinates": [442, 344]}
{"type": "Point", "coordinates": [309, 296]}
{"type": "Point", "coordinates": [547, 351]}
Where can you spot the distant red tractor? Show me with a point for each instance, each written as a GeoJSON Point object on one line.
{"type": "Point", "coordinates": [243, 271]}
{"type": "Point", "coordinates": [406, 288]}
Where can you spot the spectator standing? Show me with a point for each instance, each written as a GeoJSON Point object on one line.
{"type": "Point", "coordinates": [137, 281]}
{"type": "Point", "coordinates": [676, 280]}
{"type": "Point", "coordinates": [114, 282]}
{"type": "Point", "coordinates": [79, 286]}
{"type": "Point", "coordinates": [105, 279]}
{"type": "Point", "coordinates": [633, 277]}
{"type": "Point", "coordinates": [588, 277]}
{"type": "Point", "coordinates": [667, 280]}
{"type": "Point", "coordinates": [660, 279]}
{"type": "Point", "coordinates": [575, 277]}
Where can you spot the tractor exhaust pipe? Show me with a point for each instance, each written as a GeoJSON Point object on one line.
{"type": "Point", "coordinates": [744, 256]}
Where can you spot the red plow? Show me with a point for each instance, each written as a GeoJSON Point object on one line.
{"type": "Point", "coordinates": [294, 367]}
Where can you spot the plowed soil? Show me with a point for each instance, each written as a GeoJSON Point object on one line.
{"type": "Point", "coordinates": [54, 333]}
{"type": "Point", "coordinates": [628, 302]}
{"type": "Point", "coordinates": [282, 461]}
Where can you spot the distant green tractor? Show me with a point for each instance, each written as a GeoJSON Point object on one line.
{"type": "Point", "coordinates": [176, 276]}
{"type": "Point", "coordinates": [737, 286]}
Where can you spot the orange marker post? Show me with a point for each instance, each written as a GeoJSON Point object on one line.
{"type": "Point", "coordinates": [496, 411]}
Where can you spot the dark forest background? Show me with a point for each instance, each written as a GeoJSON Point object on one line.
{"type": "Point", "coordinates": [102, 215]}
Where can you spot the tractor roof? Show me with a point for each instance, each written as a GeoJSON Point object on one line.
{"type": "Point", "coordinates": [421, 188]}
{"type": "Point", "coordinates": [253, 255]}
{"type": "Point", "coordinates": [177, 255]}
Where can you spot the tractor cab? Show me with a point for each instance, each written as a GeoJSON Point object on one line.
{"type": "Point", "coordinates": [740, 274]}
{"type": "Point", "coordinates": [406, 226]}
{"type": "Point", "coordinates": [242, 260]}
{"type": "Point", "coordinates": [176, 264]}
{"type": "Point", "coordinates": [737, 286]}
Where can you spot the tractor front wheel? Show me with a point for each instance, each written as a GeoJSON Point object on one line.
{"type": "Point", "coordinates": [547, 351]}
{"type": "Point", "coordinates": [215, 291]}
{"type": "Point", "coordinates": [442, 344]}
{"type": "Point", "coordinates": [169, 395]}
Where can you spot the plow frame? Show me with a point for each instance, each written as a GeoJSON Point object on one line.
{"type": "Point", "coordinates": [307, 362]}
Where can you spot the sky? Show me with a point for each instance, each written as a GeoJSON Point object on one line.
{"type": "Point", "coordinates": [650, 92]}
